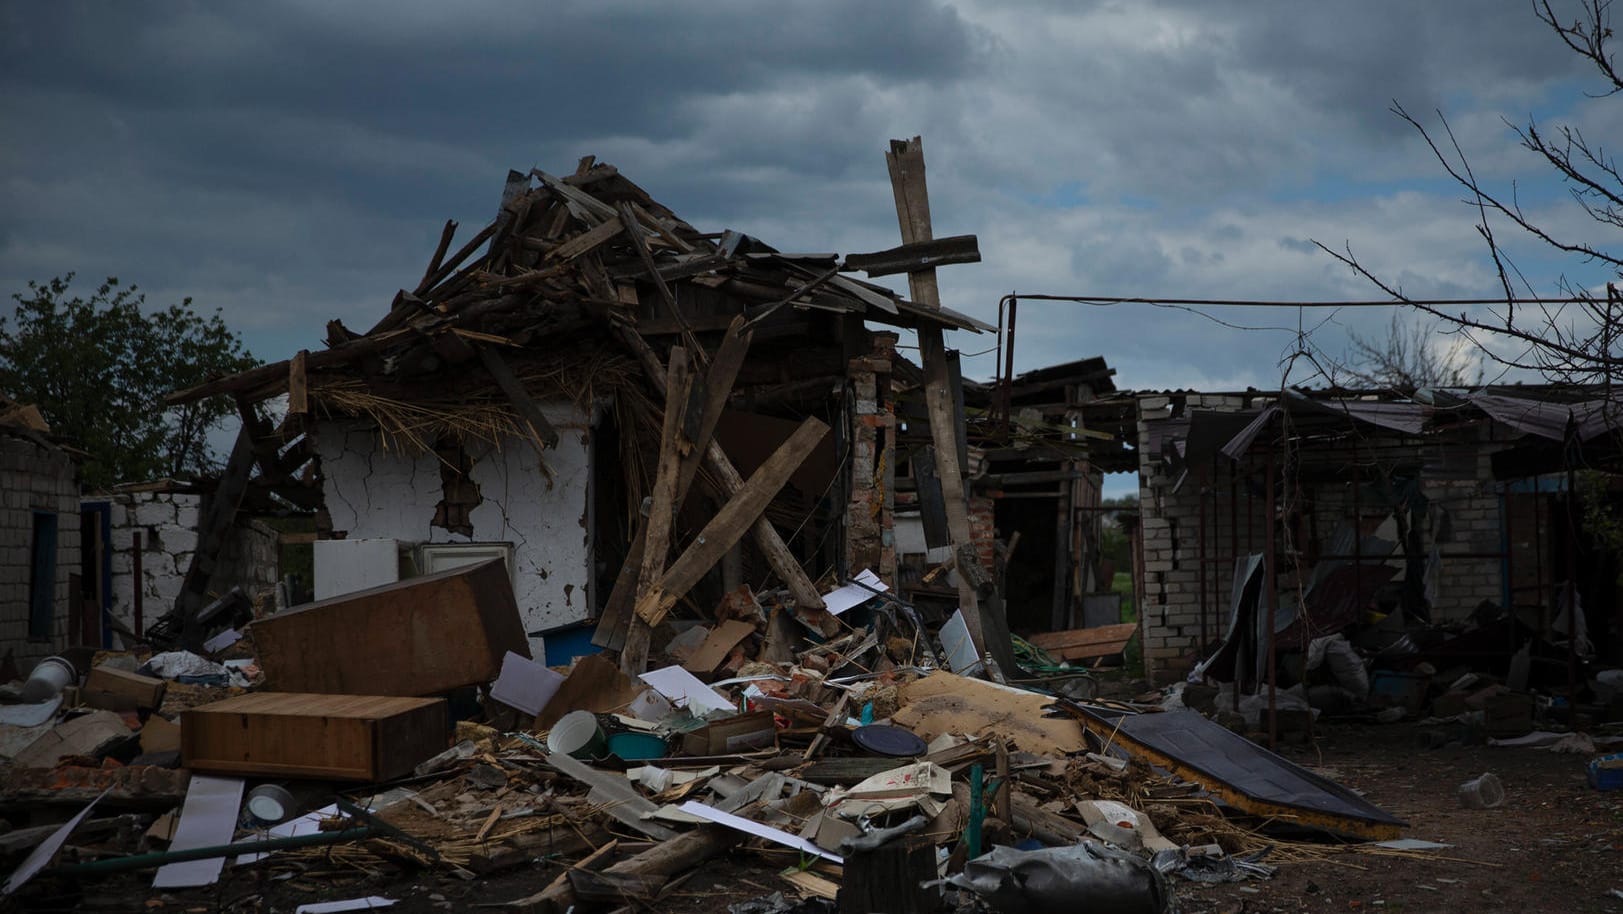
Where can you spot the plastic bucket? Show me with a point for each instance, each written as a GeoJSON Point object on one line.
{"type": "Point", "coordinates": [1484, 792]}
{"type": "Point", "coordinates": [49, 678]}
{"type": "Point", "coordinates": [578, 734]}
{"type": "Point", "coordinates": [636, 747]}
{"type": "Point", "coordinates": [270, 804]}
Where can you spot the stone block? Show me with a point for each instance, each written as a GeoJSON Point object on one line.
{"type": "Point", "coordinates": [154, 513]}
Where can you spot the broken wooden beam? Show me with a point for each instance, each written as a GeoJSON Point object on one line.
{"type": "Point", "coordinates": [662, 860]}
{"type": "Point", "coordinates": [662, 509]}
{"type": "Point", "coordinates": [529, 411]}
{"type": "Point", "coordinates": [766, 536]}
{"type": "Point", "coordinates": [916, 256]}
{"type": "Point", "coordinates": [730, 523]}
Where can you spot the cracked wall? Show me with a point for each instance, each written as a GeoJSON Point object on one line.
{"type": "Point", "coordinates": [372, 493]}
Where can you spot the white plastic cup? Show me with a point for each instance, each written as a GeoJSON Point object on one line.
{"type": "Point", "coordinates": [49, 678]}
{"type": "Point", "coordinates": [1484, 792]}
{"type": "Point", "coordinates": [578, 734]}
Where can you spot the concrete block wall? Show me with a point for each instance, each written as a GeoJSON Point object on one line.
{"type": "Point", "coordinates": [167, 523]}
{"type": "Point", "coordinates": [34, 477]}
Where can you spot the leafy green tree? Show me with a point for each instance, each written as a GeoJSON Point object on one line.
{"type": "Point", "coordinates": [98, 369]}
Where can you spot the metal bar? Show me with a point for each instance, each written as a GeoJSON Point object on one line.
{"type": "Point", "coordinates": [1273, 606]}
{"type": "Point", "coordinates": [159, 858]}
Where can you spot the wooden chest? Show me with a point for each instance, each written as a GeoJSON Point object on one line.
{"type": "Point", "coordinates": [421, 636]}
{"type": "Point", "coordinates": [290, 734]}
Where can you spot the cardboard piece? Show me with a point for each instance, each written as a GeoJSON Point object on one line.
{"type": "Point", "coordinates": [117, 690]}
{"type": "Point", "coordinates": [525, 684]}
{"type": "Point", "coordinates": [88, 735]}
{"type": "Point", "coordinates": [944, 703]}
{"type": "Point", "coordinates": [421, 636]}
{"type": "Point", "coordinates": [337, 737]}
{"type": "Point", "coordinates": [160, 735]}
{"type": "Point", "coordinates": [721, 641]}
{"type": "Point", "coordinates": [595, 684]}
{"type": "Point", "coordinates": [208, 818]}
{"type": "Point", "coordinates": [684, 690]}
{"type": "Point", "coordinates": [733, 735]}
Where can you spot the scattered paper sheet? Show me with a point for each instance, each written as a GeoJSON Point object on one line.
{"type": "Point", "coordinates": [208, 818]}
{"type": "Point", "coordinates": [222, 641]}
{"type": "Point", "coordinates": [349, 904]}
{"type": "Point", "coordinates": [47, 849]}
{"type": "Point", "coordinates": [683, 689]}
{"type": "Point", "coordinates": [30, 715]}
{"type": "Point", "coordinates": [841, 599]}
{"type": "Point", "coordinates": [1412, 844]}
{"type": "Point", "coordinates": [525, 684]}
{"type": "Point", "coordinates": [307, 824]}
{"type": "Point", "coordinates": [751, 827]}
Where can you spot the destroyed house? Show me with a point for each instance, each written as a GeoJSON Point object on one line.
{"type": "Point", "coordinates": [1410, 516]}
{"type": "Point", "coordinates": [39, 537]}
{"type": "Point", "coordinates": [512, 404]}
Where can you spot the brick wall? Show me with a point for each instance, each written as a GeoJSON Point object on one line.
{"type": "Point", "coordinates": [34, 478]}
{"type": "Point", "coordinates": [1173, 606]}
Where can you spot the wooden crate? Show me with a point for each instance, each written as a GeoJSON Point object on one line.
{"type": "Point", "coordinates": [421, 636]}
{"type": "Point", "coordinates": [290, 734]}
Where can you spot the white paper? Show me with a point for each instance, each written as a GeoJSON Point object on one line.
{"type": "Point", "coordinates": [841, 599]}
{"type": "Point", "coordinates": [348, 904]}
{"type": "Point", "coordinates": [751, 827]}
{"type": "Point", "coordinates": [47, 849]}
{"type": "Point", "coordinates": [1412, 844]}
{"type": "Point", "coordinates": [208, 818]}
{"type": "Point", "coordinates": [525, 684]}
{"type": "Point", "coordinates": [683, 689]}
{"type": "Point", "coordinates": [222, 641]}
{"type": "Point", "coordinates": [307, 824]}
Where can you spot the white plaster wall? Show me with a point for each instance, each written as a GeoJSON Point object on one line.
{"type": "Point", "coordinates": [372, 493]}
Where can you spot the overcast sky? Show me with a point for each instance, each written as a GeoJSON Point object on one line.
{"type": "Point", "coordinates": [294, 162]}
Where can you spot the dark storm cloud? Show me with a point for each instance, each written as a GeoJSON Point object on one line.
{"type": "Point", "coordinates": [294, 161]}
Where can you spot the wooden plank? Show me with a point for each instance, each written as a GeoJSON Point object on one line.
{"type": "Point", "coordinates": [634, 231]}
{"type": "Point", "coordinates": [586, 241]}
{"type": "Point", "coordinates": [343, 737]}
{"type": "Point", "coordinates": [921, 255]}
{"type": "Point", "coordinates": [657, 531]}
{"type": "Point", "coordinates": [730, 524]}
{"type": "Point", "coordinates": [450, 265]}
{"type": "Point", "coordinates": [528, 410]}
{"type": "Point", "coordinates": [298, 385]}
{"type": "Point", "coordinates": [434, 262]}
{"type": "Point", "coordinates": [422, 636]}
{"type": "Point", "coordinates": [766, 536]}
{"type": "Point", "coordinates": [1087, 643]}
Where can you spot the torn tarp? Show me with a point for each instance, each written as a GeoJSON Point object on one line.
{"type": "Point", "coordinates": [1062, 880]}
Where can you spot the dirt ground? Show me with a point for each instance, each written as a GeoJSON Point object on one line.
{"type": "Point", "coordinates": [1555, 845]}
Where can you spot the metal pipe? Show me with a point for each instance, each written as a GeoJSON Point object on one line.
{"type": "Point", "coordinates": [159, 858]}
{"type": "Point", "coordinates": [1572, 595]}
{"type": "Point", "coordinates": [1273, 607]}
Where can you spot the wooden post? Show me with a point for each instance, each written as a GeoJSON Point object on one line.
{"type": "Point", "coordinates": [727, 477]}
{"type": "Point", "coordinates": [906, 163]}
{"type": "Point", "coordinates": [634, 656]}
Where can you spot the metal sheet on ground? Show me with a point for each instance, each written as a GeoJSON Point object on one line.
{"type": "Point", "coordinates": [1243, 773]}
